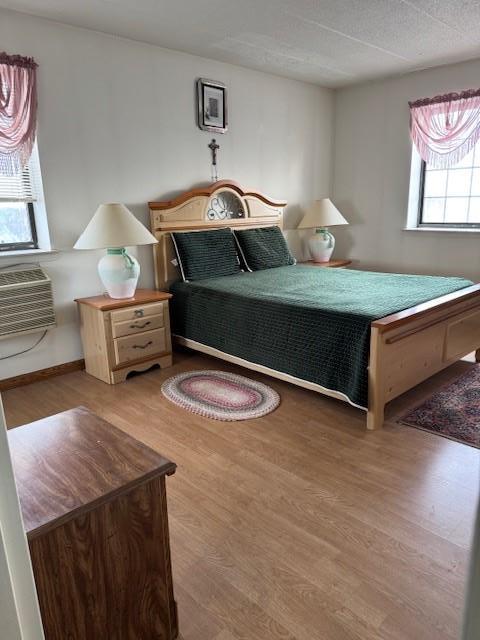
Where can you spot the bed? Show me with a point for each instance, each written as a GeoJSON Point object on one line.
{"type": "Point", "coordinates": [365, 338]}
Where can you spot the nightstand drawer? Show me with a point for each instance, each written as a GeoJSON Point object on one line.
{"type": "Point", "coordinates": [140, 345]}
{"type": "Point", "coordinates": [136, 313]}
{"type": "Point", "coordinates": [130, 327]}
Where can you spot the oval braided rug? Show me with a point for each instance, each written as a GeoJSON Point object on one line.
{"type": "Point", "coordinates": [220, 395]}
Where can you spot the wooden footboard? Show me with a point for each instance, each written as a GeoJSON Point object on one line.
{"type": "Point", "coordinates": [409, 347]}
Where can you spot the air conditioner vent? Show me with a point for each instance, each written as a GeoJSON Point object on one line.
{"type": "Point", "coordinates": [26, 301]}
{"type": "Point", "coordinates": [21, 307]}
{"type": "Point", "coordinates": [17, 277]}
{"type": "Point", "coordinates": [12, 295]}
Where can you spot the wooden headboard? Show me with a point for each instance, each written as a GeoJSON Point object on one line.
{"type": "Point", "coordinates": [221, 204]}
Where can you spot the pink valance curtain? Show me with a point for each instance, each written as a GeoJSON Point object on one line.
{"type": "Point", "coordinates": [445, 128]}
{"type": "Point", "coordinates": [18, 112]}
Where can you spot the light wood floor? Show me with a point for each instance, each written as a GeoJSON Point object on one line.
{"type": "Point", "coordinates": [298, 525]}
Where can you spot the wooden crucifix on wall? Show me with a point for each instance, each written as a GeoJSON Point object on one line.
{"type": "Point", "coordinates": [214, 147]}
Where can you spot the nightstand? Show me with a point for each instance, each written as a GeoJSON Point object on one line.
{"type": "Point", "coordinates": [339, 264]}
{"type": "Point", "coordinates": [121, 336]}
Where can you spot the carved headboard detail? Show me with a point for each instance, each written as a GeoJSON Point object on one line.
{"type": "Point", "coordinates": [221, 204]}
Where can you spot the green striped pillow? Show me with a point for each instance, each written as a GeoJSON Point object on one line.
{"type": "Point", "coordinates": [206, 254]}
{"type": "Point", "coordinates": [263, 248]}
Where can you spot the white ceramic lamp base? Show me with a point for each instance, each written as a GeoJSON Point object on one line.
{"type": "Point", "coordinates": [321, 245]}
{"type": "Point", "coordinates": [119, 273]}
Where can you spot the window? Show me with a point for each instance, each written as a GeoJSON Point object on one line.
{"type": "Point", "coordinates": [20, 206]}
{"type": "Point", "coordinates": [450, 198]}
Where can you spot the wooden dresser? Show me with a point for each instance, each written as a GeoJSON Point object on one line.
{"type": "Point", "coordinates": [121, 336]}
{"type": "Point", "coordinates": [94, 507]}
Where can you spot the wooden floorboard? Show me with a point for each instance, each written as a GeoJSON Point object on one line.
{"type": "Point", "coordinates": [298, 525]}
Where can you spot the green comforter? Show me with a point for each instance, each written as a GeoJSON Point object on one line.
{"type": "Point", "coordinates": [308, 322]}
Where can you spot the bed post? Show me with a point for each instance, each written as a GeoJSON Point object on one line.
{"type": "Point", "coordinates": [376, 402]}
{"type": "Point", "coordinates": [477, 355]}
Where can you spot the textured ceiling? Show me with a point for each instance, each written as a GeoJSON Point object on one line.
{"type": "Point", "coordinates": [329, 42]}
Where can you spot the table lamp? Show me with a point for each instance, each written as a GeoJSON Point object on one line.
{"type": "Point", "coordinates": [114, 227]}
{"type": "Point", "coordinates": [320, 215]}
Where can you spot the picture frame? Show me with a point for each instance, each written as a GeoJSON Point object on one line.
{"type": "Point", "coordinates": [212, 105]}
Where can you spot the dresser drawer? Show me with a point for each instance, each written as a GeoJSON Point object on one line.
{"type": "Point", "coordinates": [130, 327]}
{"type": "Point", "coordinates": [136, 313]}
{"type": "Point", "coordinates": [140, 345]}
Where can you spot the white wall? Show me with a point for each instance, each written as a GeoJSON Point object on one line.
{"type": "Point", "coordinates": [117, 123]}
{"type": "Point", "coordinates": [371, 176]}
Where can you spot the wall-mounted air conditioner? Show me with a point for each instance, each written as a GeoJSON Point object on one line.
{"type": "Point", "coordinates": [26, 301]}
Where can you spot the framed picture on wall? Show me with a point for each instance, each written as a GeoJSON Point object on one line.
{"type": "Point", "coordinates": [212, 105]}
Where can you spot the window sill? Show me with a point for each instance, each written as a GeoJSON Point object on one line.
{"type": "Point", "coordinates": [28, 253]}
{"type": "Point", "coordinates": [441, 230]}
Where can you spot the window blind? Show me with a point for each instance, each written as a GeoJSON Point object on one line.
{"type": "Point", "coordinates": [18, 188]}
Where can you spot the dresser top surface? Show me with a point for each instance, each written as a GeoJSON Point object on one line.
{"type": "Point", "coordinates": [142, 296]}
{"type": "Point", "coordinates": [68, 463]}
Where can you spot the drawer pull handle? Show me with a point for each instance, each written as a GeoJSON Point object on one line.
{"type": "Point", "coordinates": [142, 346]}
{"type": "Point", "coordinates": [138, 313]}
{"type": "Point", "coordinates": [140, 326]}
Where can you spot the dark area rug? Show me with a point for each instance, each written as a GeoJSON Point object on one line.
{"type": "Point", "coordinates": [452, 412]}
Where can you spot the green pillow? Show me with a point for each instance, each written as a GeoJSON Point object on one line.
{"type": "Point", "coordinates": [263, 248]}
{"type": "Point", "coordinates": [206, 254]}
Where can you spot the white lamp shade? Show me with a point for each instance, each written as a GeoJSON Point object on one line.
{"type": "Point", "coordinates": [322, 213]}
{"type": "Point", "coordinates": [114, 226]}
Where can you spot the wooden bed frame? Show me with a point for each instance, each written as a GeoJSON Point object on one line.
{"type": "Point", "coordinates": [406, 348]}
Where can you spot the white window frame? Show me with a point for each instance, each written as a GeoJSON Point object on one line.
{"type": "Point", "coordinates": [415, 203]}
{"type": "Point", "coordinates": [39, 213]}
